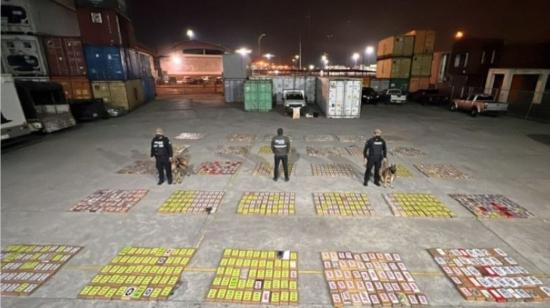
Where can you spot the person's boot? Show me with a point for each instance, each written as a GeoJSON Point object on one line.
{"type": "Point", "coordinates": [275, 179]}
{"type": "Point", "coordinates": [365, 183]}
{"type": "Point", "coordinates": [286, 179]}
{"type": "Point", "coordinates": [377, 183]}
{"type": "Point", "coordinates": [160, 182]}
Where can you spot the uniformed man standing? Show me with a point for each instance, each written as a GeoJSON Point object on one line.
{"type": "Point", "coordinates": [374, 153]}
{"type": "Point", "coordinates": [161, 150]}
{"type": "Point", "coordinates": [280, 145]}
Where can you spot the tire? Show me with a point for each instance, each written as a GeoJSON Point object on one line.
{"type": "Point", "coordinates": [474, 112]}
{"type": "Point", "coordinates": [452, 107]}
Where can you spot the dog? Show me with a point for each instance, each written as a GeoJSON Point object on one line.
{"type": "Point", "coordinates": [388, 173]}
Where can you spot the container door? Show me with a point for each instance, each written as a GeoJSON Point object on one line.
{"type": "Point", "coordinates": [336, 98]}
{"type": "Point", "coordinates": [119, 94]}
{"type": "Point", "coordinates": [115, 64]}
{"type": "Point", "coordinates": [75, 56]}
{"type": "Point", "coordinates": [353, 98]}
{"type": "Point", "coordinates": [81, 88]}
{"type": "Point", "coordinates": [57, 61]}
{"type": "Point", "coordinates": [251, 95]}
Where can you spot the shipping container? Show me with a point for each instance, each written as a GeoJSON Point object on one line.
{"type": "Point", "coordinates": [424, 41]}
{"type": "Point", "coordinates": [292, 82]}
{"type": "Point", "coordinates": [106, 63]}
{"type": "Point", "coordinates": [149, 88]}
{"type": "Point", "coordinates": [393, 68]}
{"type": "Point", "coordinates": [235, 66]}
{"type": "Point", "coordinates": [339, 97]}
{"type": "Point", "coordinates": [39, 17]}
{"type": "Point", "coordinates": [119, 5]}
{"type": "Point", "coordinates": [399, 83]}
{"type": "Point", "coordinates": [396, 46]}
{"type": "Point", "coordinates": [103, 27]}
{"type": "Point", "coordinates": [421, 65]}
{"type": "Point", "coordinates": [75, 56]}
{"type": "Point", "coordinates": [22, 55]}
{"type": "Point", "coordinates": [133, 64]}
{"type": "Point", "coordinates": [439, 67]}
{"type": "Point", "coordinates": [74, 87]}
{"type": "Point", "coordinates": [65, 56]}
{"type": "Point", "coordinates": [380, 85]}
{"type": "Point", "coordinates": [419, 83]}
{"type": "Point", "coordinates": [258, 95]}
{"type": "Point", "coordinates": [146, 64]}
{"type": "Point", "coordinates": [233, 90]}
{"type": "Point", "coordinates": [127, 95]}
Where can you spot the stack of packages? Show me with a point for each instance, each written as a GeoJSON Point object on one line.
{"type": "Point", "coordinates": [121, 72]}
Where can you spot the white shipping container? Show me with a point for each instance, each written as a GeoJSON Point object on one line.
{"type": "Point", "coordinates": [339, 97]}
{"type": "Point", "coordinates": [39, 16]}
{"type": "Point", "coordinates": [22, 55]}
{"type": "Point", "coordinates": [235, 66]}
{"type": "Point", "coordinates": [14, 122]}
{"type": "Point", "coordinates": [233, 90]}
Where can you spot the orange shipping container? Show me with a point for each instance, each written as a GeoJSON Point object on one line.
{"type": "Point", "coordinates": [74, 87]}
{"type": "Point", "coordinates": [424, 41]}
{"type": "Point", "coordinates": [418, 83]}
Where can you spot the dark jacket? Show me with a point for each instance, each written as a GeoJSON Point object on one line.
{"type": "Point", "coordinates": [161, 147]}
{"type": "Point", "coordinates": [280, 145]}
{"type": "Point", "coordinates": [375, 148]}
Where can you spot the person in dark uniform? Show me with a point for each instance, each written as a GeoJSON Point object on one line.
{"type": "Point", "coordinates": [161, 150]}
{"type": "Point", "coordinates": [374, 153]}
{"type": "Point", "coordinates": [280, 145]}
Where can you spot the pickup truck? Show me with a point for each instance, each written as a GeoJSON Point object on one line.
{"type": "Point", "coordinates": [394, 96]}
{"type": "Point", "coordinates": [294, 98]}
{"type": "Point", "coordinates": [479, 103]}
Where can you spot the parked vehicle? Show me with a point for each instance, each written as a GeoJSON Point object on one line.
{"type": "Point", "coordinates": [428, 96]}
{"type": "Point", "coordinates": [293, 99]}
{"type": "Point", "coordinates": [479, 103]}
{"type": "Point", "coordinates": [15, 122]}
{"type": "Point", "coordinates": [394, 96]}
{"type": "Point", "coordinates": [369, 96]}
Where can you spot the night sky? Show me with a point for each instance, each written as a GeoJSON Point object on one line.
{"type": "Point", "coordinates": [338, 27]}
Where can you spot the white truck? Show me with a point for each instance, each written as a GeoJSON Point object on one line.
{"type": "Point", "coordinates": [14, 121]}
{"type": "Point", "coordinates": [394, 96]}
{"type": "Point", "coordinates": [479, 103]}
{"type": "Point", "coordinates": [293, 99]}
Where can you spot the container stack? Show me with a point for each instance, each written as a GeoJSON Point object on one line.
{"type": "Point", "coordinates": [393, 67]}
{"type": "Point", "coordinates": [405, 61]}
{"type": "Point", "coordinates": [235, 72]}
{"type": "Point", "coordinates": [120, 73]}
{"type": "Point", "coordinates": [421, 66]}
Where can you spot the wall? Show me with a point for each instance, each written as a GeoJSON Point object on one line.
{"type": "Point", "coordinates": [189, 65]}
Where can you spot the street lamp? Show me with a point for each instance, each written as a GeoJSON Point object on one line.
{"type": "Point", "coordinates": [355, 57]}
{"type": "Point", "coordinates": [190, 34]}
{"type": "Point", "coordinates": [459, 35]}
{"type": "Point", "coordinates": [311, 67]}
{"type": "Point", "coordinates": [243, 51]}
{"type": "Point", "coordinates": [269, 56]}
{"type": "Point", "coordinates": [368, 52]}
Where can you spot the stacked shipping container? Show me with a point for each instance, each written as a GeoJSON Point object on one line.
{"type": "Point", "coordinates": [120, 74]}
{"type": "Point", "coordinates": [404, 61]}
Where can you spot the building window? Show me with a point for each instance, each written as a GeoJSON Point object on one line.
{"type": "Point", "coordinates": [457, 61]}
{"type": "Point", "coordinates": [466, 59]}
{"type": "Point", "coordinates": [483, 57]}
{"type": "Point", "coordinates": [493, 55]}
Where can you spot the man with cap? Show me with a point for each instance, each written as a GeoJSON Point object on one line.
{"type": "Point", "coordinates": [374, 153]}
{"type": "Point", "coordinates": [280, 145]}
{"type": "Point", "coordinates": [161, 150]}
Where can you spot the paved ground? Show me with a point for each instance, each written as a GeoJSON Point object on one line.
{"type": "Point", "coordinates": [41, 181]}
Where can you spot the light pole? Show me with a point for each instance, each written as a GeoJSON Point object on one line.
{"type": "Point", "coordinates": [190, 34]}
{"type": "Point", "coordinates": [355, 57]}
{"type": "Point", "coordinates": [260, 43]}
{"type": "Point", "coordinates": [368, 52]}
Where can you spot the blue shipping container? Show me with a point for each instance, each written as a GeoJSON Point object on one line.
{"type": "Point", "coordinates": [149, 88]}
{"type": "Point", "coordinates": [106, 63]}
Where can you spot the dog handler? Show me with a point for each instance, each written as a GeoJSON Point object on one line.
{"type": "Point", "coordinates": [161, 150]}
{"type": "Point", "coordinates": [374, 153]}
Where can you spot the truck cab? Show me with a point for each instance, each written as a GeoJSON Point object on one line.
{"type": "Point", "coordinates": [479, 103]}
{"type": "Point", "coordinates": [294, 98]}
